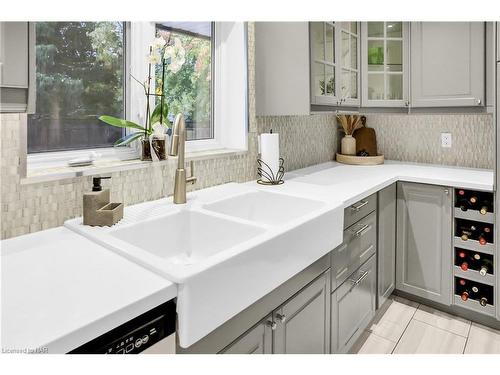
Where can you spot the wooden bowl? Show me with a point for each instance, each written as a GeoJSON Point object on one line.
{"type": "Point", "coordinates": [360, 160]}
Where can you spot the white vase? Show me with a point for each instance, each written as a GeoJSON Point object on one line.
{"type": "Point", "coordinates": [348, 145]}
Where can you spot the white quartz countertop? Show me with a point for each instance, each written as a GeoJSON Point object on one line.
{"type": "Point", "coordinates": [349, 183]}
{"type": "Point", "coordinates": [60, 290]}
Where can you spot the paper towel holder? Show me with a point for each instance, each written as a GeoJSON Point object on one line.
{"type": "Point", "coordinates": [266, 174]}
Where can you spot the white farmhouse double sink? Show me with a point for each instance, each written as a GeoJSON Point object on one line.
{"type": "Point", "coordinates": [226, 248]}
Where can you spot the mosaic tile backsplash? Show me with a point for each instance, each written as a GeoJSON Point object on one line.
{"type": "Point", "coordinates": [304, 141]}
{"type": "Point", "coordinates": [417, 138]}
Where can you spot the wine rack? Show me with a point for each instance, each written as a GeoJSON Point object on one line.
{"type": "Point", "coordinates": [474, 251]}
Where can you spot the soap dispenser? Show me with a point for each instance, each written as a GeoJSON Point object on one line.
{"type": "Point", "coordinates": [97, 209]}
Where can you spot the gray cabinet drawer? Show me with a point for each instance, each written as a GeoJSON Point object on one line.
{"type": "Point", "coordinates": [359, 210]}
{"type": "Point", "coordinates": [353, 306]}
{"type": "Point", "coordinates": [360, 242]}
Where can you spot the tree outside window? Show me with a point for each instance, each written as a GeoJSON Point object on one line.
{"type": "Point", "coordinates": [189, 89]}
{"type": "Point", "coordinates": [79, 76]}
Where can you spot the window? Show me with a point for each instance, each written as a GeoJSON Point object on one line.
{"type": "Point", "coordinates": [80, 76]}
{"type": "Point", "coordinates": [188, 87]}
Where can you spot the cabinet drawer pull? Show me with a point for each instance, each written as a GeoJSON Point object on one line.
{"type": "Point", "coordinates": [271, 324]}
{"type": "Point", "coordinates": [359, 205]}
{"type": "Point", "coordinates": [366, 251]}
{"type": "Point", "coordinates": [281, 317]}
{"type": "Point", "coordinates": [365, 228]}
{"type": "Point", "coordinates": [360, 279]}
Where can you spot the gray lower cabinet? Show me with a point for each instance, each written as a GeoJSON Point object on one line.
{"type": "Point", "coordinates": [424, 249]}
{"type": "Point", "coordinates": [300, 326]}
{"type": "Point", "coordinates": [386, 247]}
{"type": "Point", "coordinates": [257, 340]}
{"type": "Point", "coordinates": [303, 323]}
{"type": "Point", "coordinates": [453, 76]}
{"type": "Point", "coordinates": [353, 306]}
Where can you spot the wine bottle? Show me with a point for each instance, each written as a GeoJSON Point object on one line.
{"type": "Point", "coordinates": [475, 289]}
{"type": "Point", "coordinates": [465, 235]}
{"type": "Point", "coordinates": [464, 204]}
{"type": "Point", "coordinates": [483, 301]}
{"type": "Point", "coordinates": [464, 266]}
{"type": "Point", "coordinates": [485, 207]}
{"type": "Point", "coordinates": [482, 240]}
{"type": "Point", "coordinates": [465, 295]}
{"type": "Point", "coordinates": [466, 231]}
{"type": "Point", "coordinates": [473, 199]}
{"type": "Point", "coordinates": [462, 254]}
{"type": "Point", "coordinates": [462, 282]}
{"type": "Point", "coordinates": [486, 267]}
{"type": "Point", "coordinates": [461, 192]}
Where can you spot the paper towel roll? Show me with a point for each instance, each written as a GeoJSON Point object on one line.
{"type": "Point", "coordinates": [270, 151]}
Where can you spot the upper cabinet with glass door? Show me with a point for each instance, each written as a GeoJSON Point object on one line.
{"type": "Point", "coordinates": [334, 63]}
{"type": "Point", "coordinates": [385, 64]}
{"type": "Point", "coordinates": [349, 82]}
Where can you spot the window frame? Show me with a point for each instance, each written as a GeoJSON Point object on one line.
{"type": "Point", "coordinates": [230, 53]}
{"type": "Point", "coordinates": [50, 159]}
{"type": "Point", "coordinates": [204, 143]}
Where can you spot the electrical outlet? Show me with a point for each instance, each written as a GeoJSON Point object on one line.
{"type": "Point", "coordinates": [446, 140]}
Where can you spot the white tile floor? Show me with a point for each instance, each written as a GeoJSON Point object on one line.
{"type": "Point", "coordinates": [405, 327]}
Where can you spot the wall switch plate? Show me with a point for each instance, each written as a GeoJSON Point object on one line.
{"type": "Point", "coordinates": [446, 140]}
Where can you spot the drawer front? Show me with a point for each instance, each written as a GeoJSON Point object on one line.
{"type": "Point", "coordinates": [360, 243]}
{"type": "Point", "coordinates": [353, 306]}
{"type": "Point", "coordinates": [359, 210]}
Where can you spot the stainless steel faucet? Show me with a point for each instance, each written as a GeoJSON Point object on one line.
{"type": "Point", "coordinates": [177, 148]}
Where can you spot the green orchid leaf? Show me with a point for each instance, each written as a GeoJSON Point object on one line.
{"type": "Point", "coordinates": [155, 116]}
{"type": "Point", "coordinates": [120, 123]}
{"type": "Point", "coordinates": [128, 139]}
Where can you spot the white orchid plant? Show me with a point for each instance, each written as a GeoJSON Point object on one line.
{"type": "Point", "coordinates": [172, 55]}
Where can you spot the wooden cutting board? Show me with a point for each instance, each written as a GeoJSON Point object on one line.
{"type": "Point", "coordinates": [366, 139]}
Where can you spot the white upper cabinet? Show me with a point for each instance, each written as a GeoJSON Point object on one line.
{"type": "Point", "coordinates": [282, 68]}
{"type": "Point", "coordinates": [385, 68]}
{"type": "Point", "coordinates": [447, 64]}
{"type": "Point", "coordinates": [335, 57]}
{"type": "Point", "coordinates": [349, 77]}
{"type": "Point", "coordinates": [17, 66]}
{"type": "Point", "coordinates": [497, 24]}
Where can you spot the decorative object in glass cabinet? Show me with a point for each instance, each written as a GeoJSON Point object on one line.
{"type": "Point", "coordinates": [323, 64]}
{"type": "Point", "coordinates": [384, 46]}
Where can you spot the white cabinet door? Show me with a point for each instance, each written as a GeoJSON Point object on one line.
{"type": "Point", "coordinates": [17, 67]}
{"type": "Point", "coordinates": [335, 63]}
{"type": "Point", "coordinates": [282, 68]}
{"type": "Point", "coordinates": [385, 64]}
{"type": "Point", "coordinates": [498, 40]}
{"type": "Point", "coordinates": [348, 67]}
{"type": "Point", "coordinates": [447, 64]}
{"type": "Point", "coordinates": [14, 54]}
{"type": "Point", "coordinates": [324, 61]}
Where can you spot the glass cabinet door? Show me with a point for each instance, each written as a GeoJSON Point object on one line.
{"type": "Point", "coordinates": [323, 63]}
{"type": "Point", "coordinates": [385, 64]}
{"type": "Point", "coordinates": [349, 63]}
